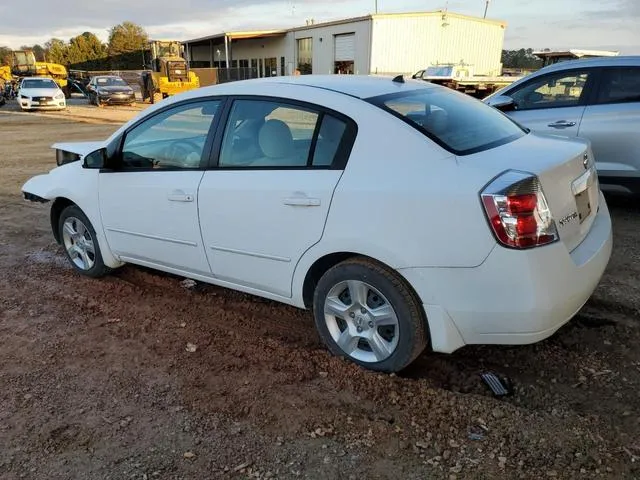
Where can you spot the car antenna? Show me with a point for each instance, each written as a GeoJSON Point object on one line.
{"type": "Point", "coordinates": [399, 79]}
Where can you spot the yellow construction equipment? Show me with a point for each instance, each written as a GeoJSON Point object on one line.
{"type": "Point", "coordinates": [167, 72]}
{"type": "Point", "coordinates": [25, 65]}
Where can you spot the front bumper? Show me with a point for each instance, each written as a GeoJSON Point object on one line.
{"type": "Point", "coordinates": [117, 99]}
{"type": "Point", "coordinates": [514, 297]}
{"type": "Point", "coordinates": [55, 104]}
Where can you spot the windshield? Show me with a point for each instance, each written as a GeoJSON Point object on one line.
{"type": "Point", "coordinates": [39, 83]}
{"type": "Point", "coordinates": [457, 122]}
{"type": "Point", "coordinates": [110, 82]}
{"type": "Point", "coordinates": [168, 49]}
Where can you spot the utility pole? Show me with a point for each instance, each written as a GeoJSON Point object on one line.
{"type": "Point", "coordinates": [486, 7]}
{"type": "Point", "coordinates": [376, 9]}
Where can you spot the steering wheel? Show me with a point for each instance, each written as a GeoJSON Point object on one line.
{"type": "Point", "coordinates": [179, 150]}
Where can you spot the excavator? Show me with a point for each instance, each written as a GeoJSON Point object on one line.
{"type": "Point", "coordinates": [168, 72]}
{"type": "Point", "coordinates": [25, 65]}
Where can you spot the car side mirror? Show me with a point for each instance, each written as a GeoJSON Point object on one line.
{"type": "Point", "coordinates": [502, 102]}
{"type": "Point", "coordinates": [95, 160]}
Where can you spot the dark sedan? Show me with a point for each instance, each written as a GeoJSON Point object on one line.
{"type": "Point", "coordinates": [110, 90]}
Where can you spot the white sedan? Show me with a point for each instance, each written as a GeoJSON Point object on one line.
{"type": "Point", "coordinates": [404, 214]}
{"type": "Point", "coordinates": [40, 93]}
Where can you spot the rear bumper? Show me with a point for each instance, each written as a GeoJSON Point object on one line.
{"type": "Point", "coordinates": [514, 297]}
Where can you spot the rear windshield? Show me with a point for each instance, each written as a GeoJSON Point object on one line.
{"type": "Point", "coordinates": [457, 122]}
{"type": "Point", "coordinates": [39, 83]}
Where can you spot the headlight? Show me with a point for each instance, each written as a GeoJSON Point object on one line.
{"type": "Point", "coordinates": [59, 96]}
{"type": "Point", "coordinates": [24, 97]}
{"type": "Point", "coordinates": [103, 92]}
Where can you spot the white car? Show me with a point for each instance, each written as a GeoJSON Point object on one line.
{"type": "Point", "coordinates": [403, 214]}
{"type": "Point", "coordinates": [40, 93]}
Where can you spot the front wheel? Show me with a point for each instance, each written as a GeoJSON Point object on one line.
{"type": "Point", "coordinates": [367, 313]}
{"type": "Point", "coordinates": [80, 243]}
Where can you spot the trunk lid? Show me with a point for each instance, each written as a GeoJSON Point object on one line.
{"type": "Point", "coordinates": [567, 174]}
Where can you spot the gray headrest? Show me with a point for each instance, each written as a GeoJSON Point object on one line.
{"type": "Point", "coordinates": [275, 139]}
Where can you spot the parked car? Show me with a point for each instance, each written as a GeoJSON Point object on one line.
{"type": "Point", "coordinates": [403, 213]}
{"type": "Point", "coordinates": [110, 90]}
{"type": "Point", "coordinates": [598, 99]}
{"type": "Point", "coordinates": [40, 93]}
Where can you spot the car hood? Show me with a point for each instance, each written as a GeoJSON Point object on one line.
{"type": "Point", "coordinates": [40, 92]}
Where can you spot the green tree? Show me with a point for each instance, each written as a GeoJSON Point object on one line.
{"type": "Point", "coordinates": [5, 56]}
{"type": "Point", "coordinates": [57, 51]}
{"type": "Point", "coordinates": [85, 47]}
{"type": "Point", "coordinates": [523, 58]}
{"type": "Point", "coordinates": [126, 37]}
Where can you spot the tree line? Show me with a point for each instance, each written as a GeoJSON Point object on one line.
{"type": "Point", "coordinates": [123, 50]}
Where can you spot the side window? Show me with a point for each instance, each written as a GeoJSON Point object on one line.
{"type": "Point", "coordinates": [267, 134]}
{"type": "Point", "coordinates": [620, 85]}
{"type": "Point", "coordinates": [172, 139]}
{"type": "Point", "coordinates": [562, 89]}
{"type": "Point", "coordinates": [330, 136]}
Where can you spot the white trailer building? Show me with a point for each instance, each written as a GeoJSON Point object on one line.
{"type": "Point", "coordinates": [387, 44]}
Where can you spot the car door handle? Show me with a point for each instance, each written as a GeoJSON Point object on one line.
{"type": "Point", "coordinates": [180, 196]}
{"type": "Point", "coordinates": [302, 202]}
{"type": "Point", "coordinates": [562, 124]}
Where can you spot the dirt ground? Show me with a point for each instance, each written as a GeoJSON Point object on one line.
{"type": "Point", "coordinates": [97, 381]}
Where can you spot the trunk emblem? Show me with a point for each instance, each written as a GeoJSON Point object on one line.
{"type": "Point", "coordinates": [585, 161]}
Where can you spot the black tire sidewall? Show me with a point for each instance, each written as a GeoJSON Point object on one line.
{"type": "Point", "coordinates": [409, 316]}
{"type": "Point", "coordinates": [99, 268]}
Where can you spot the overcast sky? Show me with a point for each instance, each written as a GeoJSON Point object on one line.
{"type": "Point", "coordinates": [605, 24]}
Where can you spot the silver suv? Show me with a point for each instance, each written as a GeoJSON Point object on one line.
{"type": "Point", "coordinates": [597, 99]}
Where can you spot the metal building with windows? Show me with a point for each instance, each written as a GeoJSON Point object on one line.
{"type": "Point", "coordinates": [388, 44]}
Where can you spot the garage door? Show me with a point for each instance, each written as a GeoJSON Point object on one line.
{"type": "Point", "coordinates": [345, 47]}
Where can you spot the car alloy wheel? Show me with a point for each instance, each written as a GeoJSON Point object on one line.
{"type": "Point", "coordinates": [79, 243]}
{"type": "Point", "coordinates": [361, 321]}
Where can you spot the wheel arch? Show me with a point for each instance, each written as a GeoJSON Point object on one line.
{"type": "Point", "coordinates": [328, 261]}
{"type": "Point", "coordinates": [57, 207]}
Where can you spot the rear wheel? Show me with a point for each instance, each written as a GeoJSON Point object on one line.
{"type": "Point", "coordinates": [80, 243]}
{"type": "Point", "coordinates": [367, 313]}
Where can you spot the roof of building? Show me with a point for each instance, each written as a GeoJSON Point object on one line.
{"type": "Point", "coordinates": [281, 32]}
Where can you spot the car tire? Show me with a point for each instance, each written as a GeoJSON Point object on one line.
{"type": "Point", "coordinates": [381, 326]}
{"type": "Point", "coordinates": [80, 243]}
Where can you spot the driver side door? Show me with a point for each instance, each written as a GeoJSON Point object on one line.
{"type": "Point", "coordinates": [148, 202]}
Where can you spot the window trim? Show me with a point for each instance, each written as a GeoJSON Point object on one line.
{"type": "Point", "coordinates": [585, 97]}
{"type": "Point", "coordinates": [379, 101]}
{"type": "Point", "coordinates": [593, 100]}
{"type": "Point", "coordinates": [206, 151]}
{"type": "Point", "coordinates": [342, 154]}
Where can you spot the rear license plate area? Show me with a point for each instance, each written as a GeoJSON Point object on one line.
{"type": "Point", "coordinates": [583, 203]}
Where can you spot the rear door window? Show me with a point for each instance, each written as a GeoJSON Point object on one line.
{"type": "Point", "coordinates": [619, 85]}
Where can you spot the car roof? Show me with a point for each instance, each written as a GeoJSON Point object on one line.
{"type": "Point", "coordinates": [358, 86]}
{"type": "Point", "coordinates": [622, 61]}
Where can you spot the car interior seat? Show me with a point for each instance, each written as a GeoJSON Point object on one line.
{"type": "Point", "coordinates": [278, 149]}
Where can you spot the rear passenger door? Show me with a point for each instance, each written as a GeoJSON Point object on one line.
{"type": "Point", "coordinates": [612, 122]}
{"type": "Point", "coordinates": [266, 200]}
{"type": "Point", "coordinates": [553, 103]}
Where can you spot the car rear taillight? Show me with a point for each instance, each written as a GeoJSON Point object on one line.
{"type": "Point", "coordinates": [518, 212]}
